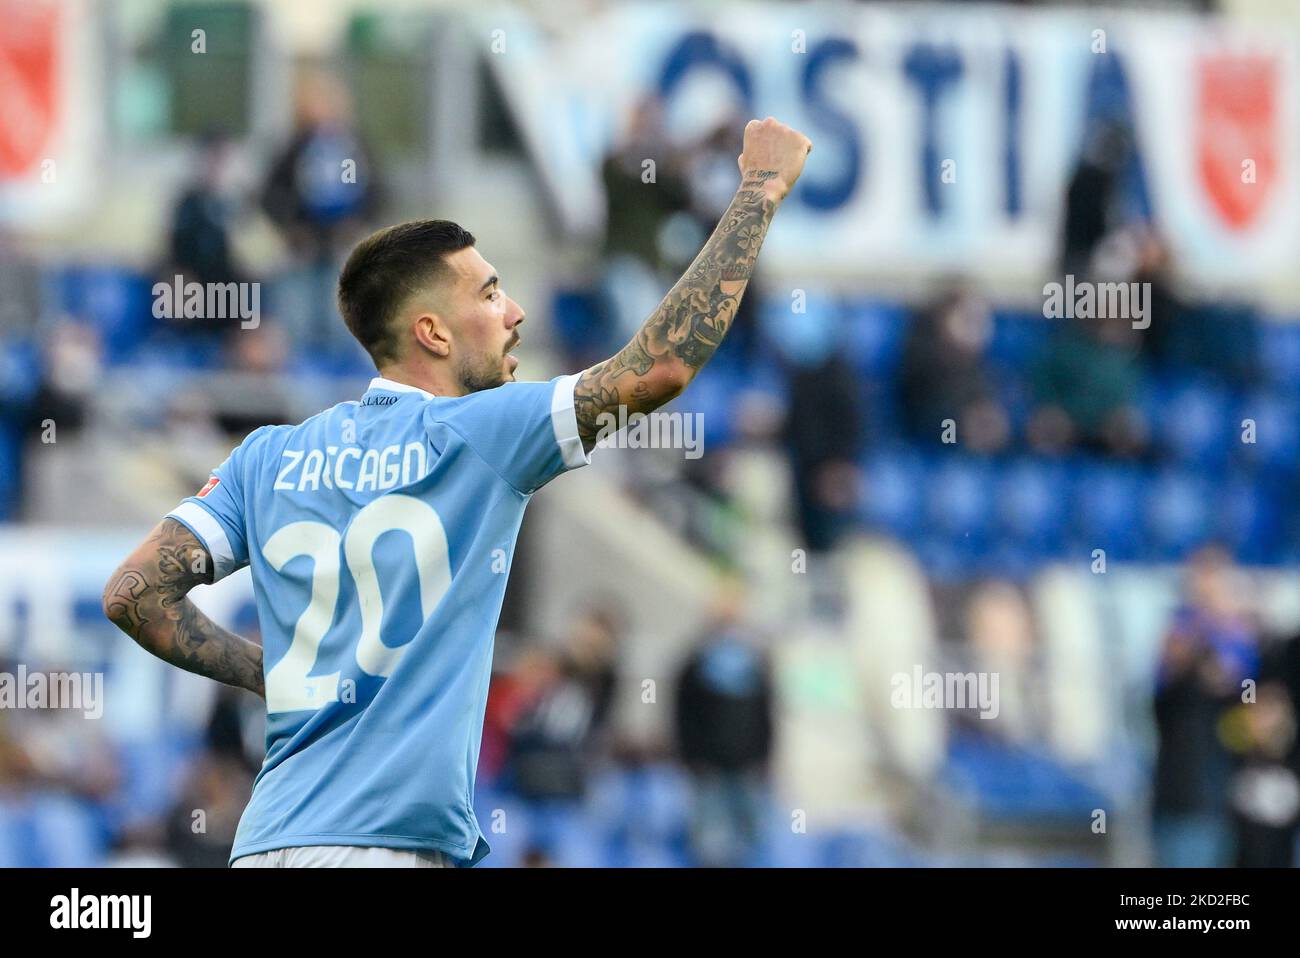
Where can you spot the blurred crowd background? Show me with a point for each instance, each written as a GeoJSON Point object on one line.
{"type": "Point", "coordinates": [906, 465]}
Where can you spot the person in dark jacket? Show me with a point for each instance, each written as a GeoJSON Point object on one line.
{"type": "Point", "coordinates": [724, 723]}
{"type": "Point", "coordinates": [322, 189]}
{"type": "Point", "coordinates": [824, 431]}
{"type": "Point", "coordinates": [1209, 651]}
{"type": "Point", "coordinates": [943, 374]}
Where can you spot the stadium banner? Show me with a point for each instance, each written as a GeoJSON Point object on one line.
{"type": "Point", "coordinates": [52, 100]}
{"type": "Point", "coordinates": [945, 137]}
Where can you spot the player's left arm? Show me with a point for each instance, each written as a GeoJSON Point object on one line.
{"type": "Point", "coordinates": [689, 325]}
{"type": "Point", "coordinates": [147, 599]}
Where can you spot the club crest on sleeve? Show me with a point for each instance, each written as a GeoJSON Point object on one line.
{"type": "Point", "coordinates": [212, 484]}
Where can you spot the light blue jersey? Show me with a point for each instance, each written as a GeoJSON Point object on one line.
{"type": "Point", "coordinates": [379, 534]}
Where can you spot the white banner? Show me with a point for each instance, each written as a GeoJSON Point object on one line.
{"type": "Point", "coordinates": [945, 137]}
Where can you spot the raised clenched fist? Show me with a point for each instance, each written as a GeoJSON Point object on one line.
{"type": "Point", "coordinates": [772, 157]}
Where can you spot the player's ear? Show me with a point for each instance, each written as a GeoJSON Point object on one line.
{"type": "Point", "coordinates": [432, 335]}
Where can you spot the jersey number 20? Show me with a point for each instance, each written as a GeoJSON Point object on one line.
{"type": "Point", "coordinates": [289, 685]}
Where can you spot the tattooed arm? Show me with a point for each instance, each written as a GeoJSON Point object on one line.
{"type": "Point", "coordinates": [146, 599]}
{"type": "Point", "coordinates": [688, 326]}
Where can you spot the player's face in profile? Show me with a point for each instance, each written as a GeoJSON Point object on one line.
{"type": "Point", "coordinates": [484, 323]}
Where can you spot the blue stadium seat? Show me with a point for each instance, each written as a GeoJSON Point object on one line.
{"type": "Point", "coordinates": [764, 375]}
{"type": "Point", "coordinates": [1107, 507]}
{"type": "Point", "coordinates": [576, 843]}
{"type": "Point", "coordinates": [893, 491]}
{"type": "Point", "coordinates": [713, 395]}
{"type": "Point", "coordinates": [20, 378]}
{"type": "Point", "coordinates": [959, 499]}
{"type": "Point", "coordinates": [1248, 516]}
{"type": "Point", "coordinates": [1013, 391]}
{"type": "Point", "coordinates": [1276, 422]}
{"type": "Point", "coordinates": [944, 558]}
{"type": "Point", "coordinates": [785, 848]}
{"type": "Point", "coordinates": [152, 772]}
{"type": "Point", "coordinates": [169, 350]}
{"type": "Point", "coordinates": [492, 806]}
{"type": "Point", "coordinates": [874, 331]}
{"type": "Point", "coordinates": [20, 370]}
{"type": "Point", "coordinates": [1192, 421]}
{"type": "Point", "coordinates": [1279, 352]}
{"type": "Point", "coordinates": [657, 800]}
{"type": "Point", "coordinates": [647, 855]}
{"type": "Point", "coordinates": [11, 468]}
{"type": "Point", "coordinates": [864, 848]}
{"type": "Point", "coordinates": [802, 338]}
{"type": "Point", "coordinates": [117, 302]}
{"type": "Point", "coordinates": [1178, 514]}
{"type": "Point", "coordinates": [638, 815]}
{"type": "Point", "coordinates": [15, 844]}
{"type": "Point", "coordinates": [1018, 339]}
{"type": "Point", "coordinates": [1006, 782]}
{"type": "Point", "coordinates": [1030, 506]}
{"type": "Point", "coordinates": [60, 831]}
{"type": "Point", "coordinates": [549, 827]}
{"type": "Point", "coordinates": [882, 410]}
{"type": "Point", "coordinates": [1033, 518]}
{"type": "Point", "coordinates": [577, 320]}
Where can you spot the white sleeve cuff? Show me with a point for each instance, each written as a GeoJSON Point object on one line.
{"type": "Point", "coordinates": [564, 420]}
{"type": "Point", "coordinates": [208, 530]}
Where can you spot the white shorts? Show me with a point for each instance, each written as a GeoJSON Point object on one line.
{"type": "Point", "coordinates": [343, 856]}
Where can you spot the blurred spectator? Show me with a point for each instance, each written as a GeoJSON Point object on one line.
{"type": "Point", "coordinates": [561, 703]}
{"type": "Point", "coordinates": [1219, 339]}
{"type": "Point", "coordinates": [1000, 637]}
{"type": "Point", "coordinates": [1091, 199]}
{"type": "Point", "coordinates": [824, 433]}
{"type": "Point", "coordinates": [201, 825]}
{"type": "Point", "coordinates": [72, 362]}
{"type": "Point", "coordinates": [638, 211]}
{"type": "Point", "coordinates": [199, 244]}
{"type": "Point", "coordinates": [141, 846]}
{"type": "Point", "coordinates": [258, 357]}
{"type": "Point", "coordinates": [1085, 389]}
{"type": "Point", "coordinates": [58, 772]}
{"type": "Point", "coordinates": [1210, 648]}
{"type": "Point", "coordinates": [713, 175]}
{"type": "Point", "coordinates": [943, 375]}
{"type": "Point", "coordinates": [1265, 789]}
{"type": "Point", "coordinates": [15, 768]}
{"type": "Point", "coordinates": [1169, 312]}
{"type": "Point", "coordinates": [20, 286]}
{"type": "Point", "coordinates": [236, 729]}
{"type": "Point", "coordinates": [724, 719]}
{"type": "Point", "coordinates": [59, 749]}
{"type": "Point", "coordinates": [321, 191]}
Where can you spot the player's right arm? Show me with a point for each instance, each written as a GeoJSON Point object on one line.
{"type": "Point", "coordinates": [146, 599]}
{"type": "Point", "coordinates": [691, 321]}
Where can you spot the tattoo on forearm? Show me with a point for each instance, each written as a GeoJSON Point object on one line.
{"type": "Point", "coordinates": [691, 321]}
{"type": "Point", "coordinates": [122, 601]}
{"type": "Point", "coordinates": [146, 599]}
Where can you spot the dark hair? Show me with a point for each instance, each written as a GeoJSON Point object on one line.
{"type": "Point", "coordinates": [384, 269]}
